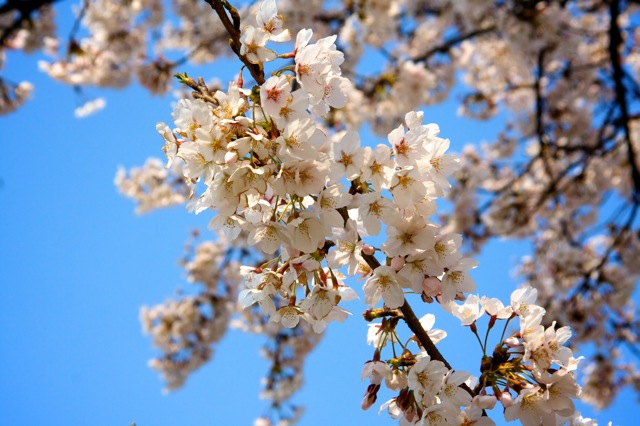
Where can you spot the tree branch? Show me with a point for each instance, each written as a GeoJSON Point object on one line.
{"type": "Point", "coordinates": [448, 44]}
{"type": "Point", "coordinates": [615, 45]}
{"type": "Point", "coordinates": [25, 11]}
{"type": "Point", "coordinates": [414, 325]}
{"type": "Point", "coordinates": [233, 28]}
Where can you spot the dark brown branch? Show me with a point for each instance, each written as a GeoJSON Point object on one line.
{"type": "Point", "coordinates": [233, 28]}
{"type": "Point", "coordinates": [615, 45]}
{"type": "Point", "coordinates": [448, 44]}
{"type": "Point", "coordinates": [414, 325]}
{"type": "Point", "coordinates": [543, 140]}
{"type": "Point", "coordinates": [25, 10]}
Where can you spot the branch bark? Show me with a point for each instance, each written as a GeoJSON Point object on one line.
{"type": "Point", "coordinates": [414, 325]}
{"type": "Point", "coordinates": [233, 28]}
{"type": "Point", "coordinates": [615, 45]}
{"type": "Point", "coordinates": [25, 11]}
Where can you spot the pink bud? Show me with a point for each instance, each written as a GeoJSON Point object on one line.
{"type": "Point", "coordinates": [230, 157]}
{"type": "Point", "coordinates": [431, 286]}
{"type": "Point", "coordinates": [486, 402]}
{"type": "Point", "coordinates": [512, 342]}
{"type": "Point", "coordinates": [370, 396]}
{"type": "Point", "coordinates": [506, 399]}
{"type": "Point", "coordinates": [368, 250]}
{"type": "Point", "coordinates": [397, 263]}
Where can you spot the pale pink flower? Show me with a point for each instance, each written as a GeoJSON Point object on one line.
{"type": "Point", "coordinates": [327, 204]}
{"type": "Point", "coordinates": [253, 45]}
{"type": "Point", "coordinates": [441, 164]}
{"type": "Point", "coordinates": [230, 225]}
{"type": "Point", "coordinates": [347, 249]}
{"type": "Point", "coordinates": [457, 280]}
{"type": "Point", "coordinates": [375, 371]}
{"type": "Point", "coordinates": [531, 408]}
{"type": "Point", "coordinates": [269, 20]}
{"type": "Point", "coordinates": [230, 105]}
{"type": "Point", "coordinates": [319, 303]}
{"type": "Point", "coordinates": [314, 62]}
{"type": "Point", "coordinates": [426, 378]}
{"type": "Point", "coordinates": [335, 314]}
{"type": "Point", "coordinates": [274, 94]}
{"type": "Point", "coordinates": [396, 380]}
{"type": "Point", "coordinates": [473, 416]}
{"type": "Point", "coordinates": [427, 322]}
{"type": "Point", "coordinates": [408, 187]}
{"type": "Point", "coordinates": [288, 316]}
{"type": "Point", "coordinates": [301, 178]}
{"type": "Point", "coordinates": [306, 233]}
{"type": "Point", "coordinates": [431, 286]}
{"type": "Point", "coordinates": [378, 167]}
{"type": "Point", "coordinates": [294, 109]}
{"type": "Point", "coordinates": [268, 237]}
{"type": "Point", "coordinates": [408, 236]}
{"type": "Point", "coordinates": [495, 308]}
{"type": "Point", "coordinates": [562, 390]}
{"type": "Point", "coordinates": [385, 284]}
{"type": "Point", "coordinates": [170, 147]}
{"type": "Point", "coordinates": [469, 312]}
{"type": "Point", "coordinates": [191, 115]}
{"type": "Point", "coordinates": [452, 394]}
{"type": "Point", "coordinates": [414, 270]}
{"type": "Point", "coordinates": [347, 159]}
{"type": "Point", "coordinates": [407, 148]}
{"type": "Point", "coordinates": [523, 301]}
{"type": "Point", "coordinates": [294, 141]}
{"type": "Point", "coordinates": [372, 210]}
{"type": "Point", "coordinates": [485, 402]}
{"type": "Point", "coordinates": [335, 94]}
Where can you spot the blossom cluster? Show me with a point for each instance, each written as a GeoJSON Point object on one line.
{"type": "Point", "coordinates": [153, 186]}
{"type": "Point", "coordinates": [549, 65]}
{"type": "Point", "coordinates": [313, 198]}
{"type": "Point", "coordinates": [279, 178]}
{"type": "Point", "coordinates": [531, 373]}
{"type": "Point", "coordinates": [185, 330]}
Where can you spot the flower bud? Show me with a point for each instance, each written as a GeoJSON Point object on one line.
{"type": "Point", "coordinates": [368, 250]}
{"type": "Point", "coordinates": [397, 263]}
{"type": "Point", "coordinates": [512, 342]}
{"type": "Point", "coordinates": [370, 396]}
{"type": "Point", "coordinates": [396, 380]}
{"type": "Point", "coordinates": [506, 399]}
{"type": "Point", "coordinates": [230, 157]}
{"type": "Point", "coordinates": [431, 286]}
{"type": "Point", "coordinates": [486, 402]}
{"type": "Point", "coordinates": [262, 421]}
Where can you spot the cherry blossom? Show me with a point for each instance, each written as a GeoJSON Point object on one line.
{"type": "Point", "coordinates": [278, 161]}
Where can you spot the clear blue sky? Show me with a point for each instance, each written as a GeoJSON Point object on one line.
{"type": "Point", "coordinates": [77, 264]}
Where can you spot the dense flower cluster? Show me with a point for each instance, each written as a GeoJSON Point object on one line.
{"type": "Point", "coordinates": [305, 191]}
{"type": "Point", "coordinates": [312, 198]}
{"type": "Point", "coordinates": [531, 373]}
{"type": "Point", "coordinates": [566, 73]}
{"type": "Point", "coordinates": [153, 186]}
{"type": "Point", "coordinates": [275, 176]}
{"type": "Point", "coordinates": [185, 330]}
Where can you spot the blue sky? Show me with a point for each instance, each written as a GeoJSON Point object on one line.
{"type": "Point", "coordinates": [77, 264]}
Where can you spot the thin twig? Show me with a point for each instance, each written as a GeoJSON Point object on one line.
{"type": "Point", "coordinates": [615, 45]}
{"type": "Point", "coordinates": [414, 325]}
{"type": "Point", "coordinates": [233, 28]}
